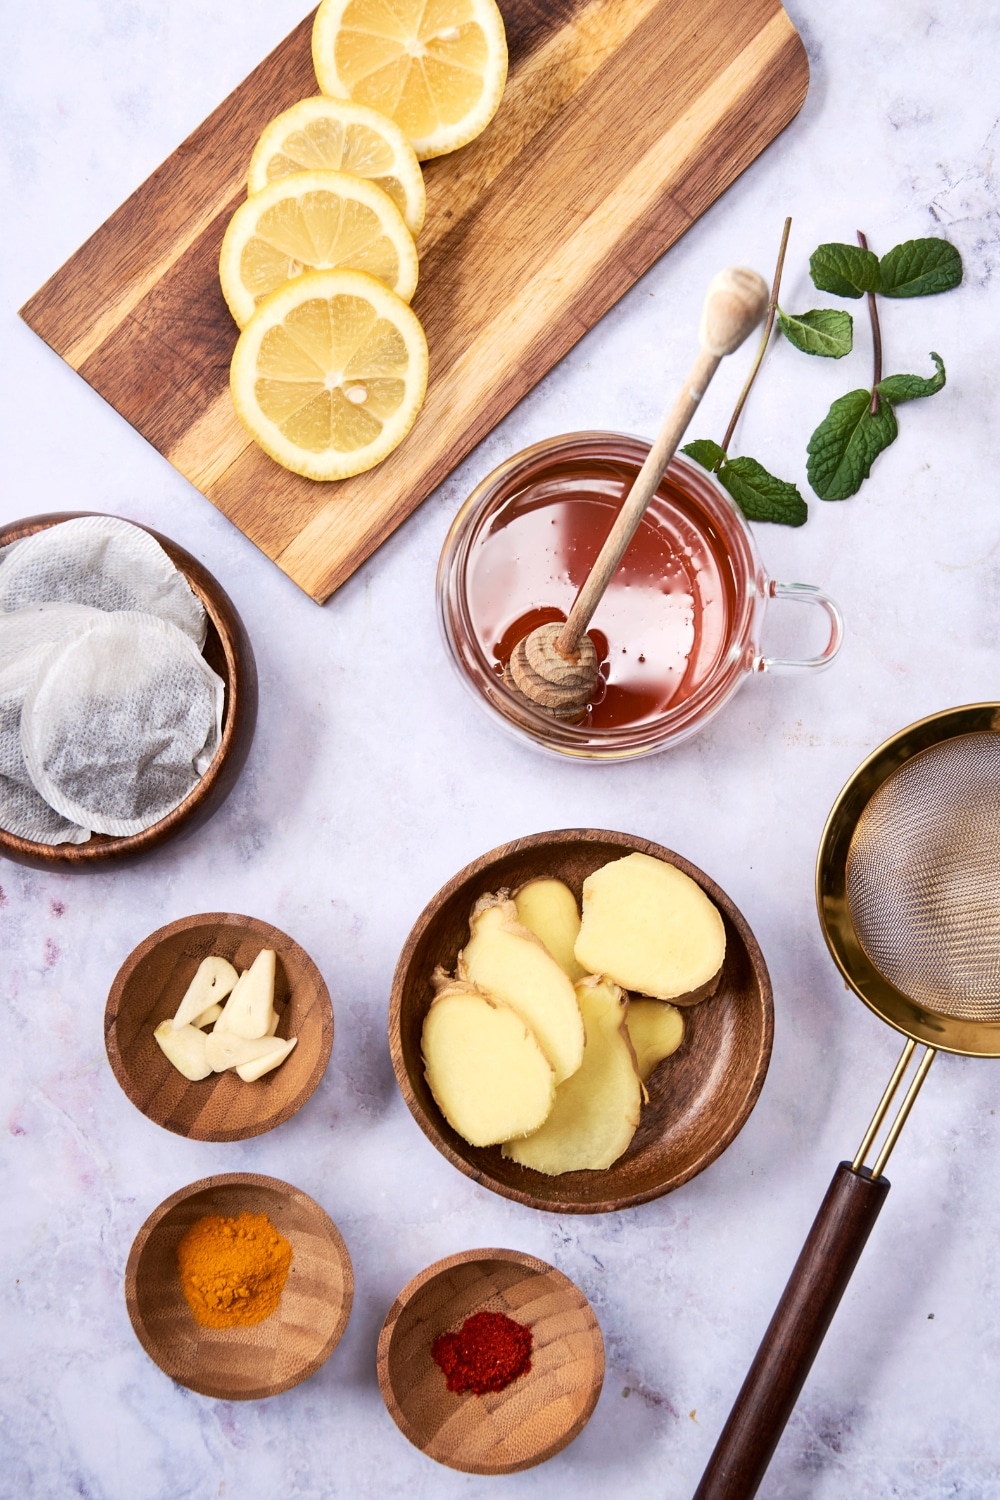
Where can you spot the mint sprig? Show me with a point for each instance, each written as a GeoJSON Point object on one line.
{"type": "Point", "coordinates": [847, 442]}
{"type": "Point", "coordinates": [845, 270]}
{"type": "Point", "coordinates": [826, 331]}
{"type": "Point", "coordinates": [862, 424]}
{"type": "Point", "coordinates": [919, 268]}
{"type": "Point", "coordinates": [900, 388]}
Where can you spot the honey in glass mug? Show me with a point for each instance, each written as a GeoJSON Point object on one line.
{"type": "Point", "coordinates": [679, 627]}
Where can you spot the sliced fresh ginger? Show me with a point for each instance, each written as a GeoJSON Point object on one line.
{"type": "Point", "coordinates": [185, 1047]}
{"type": "Point", "coordinates": [655, 1030]}
{"type": "Point", "coordinates": [484, 1066]}
{"type": "Point", "coordinates": [597, 1110]}
{"type": "Point", "coordinates": [548, 909]}
{"type": "Point", "coordinates": [213, 980]}
{"type": "Point", "coordinates": [510, 963]}
{"type": "Point", "coordinates": [649, 927]}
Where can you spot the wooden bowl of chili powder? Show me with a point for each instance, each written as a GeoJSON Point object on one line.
{"type": "Point", "coordinates": [295, 1265]}
{"type": "Point", "coordinates": [490, 1361]}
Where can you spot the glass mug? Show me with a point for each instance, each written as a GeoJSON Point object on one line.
{"type": "Point", "coordinates": [679, 627]}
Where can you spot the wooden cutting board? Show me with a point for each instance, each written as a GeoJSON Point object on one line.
{"type": "Point", "coordinates": [623, 120]}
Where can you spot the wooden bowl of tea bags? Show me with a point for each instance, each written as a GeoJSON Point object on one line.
{"type": "Point", "coordinates": [128, 691]}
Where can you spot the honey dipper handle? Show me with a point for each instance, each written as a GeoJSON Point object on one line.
{"type": "Point", "coordinates": [735, 302]}
{"type": "Point", "coordinates": [792, 1341]}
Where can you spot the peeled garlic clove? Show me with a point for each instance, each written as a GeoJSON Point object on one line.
{"type": "Point", "coordinates": [251, 1071]}
{"type": "Point", "coordinates": [250, 1006]}
{"type": "Point", "coordinates": [207, 1017]}
{"type": "Point", "coordinates": [214, 979]}
{"type": "Point", "coordinates": [224, 1049]}
{"type": "Point", "coordinates": [273, 1023]}
{"type": "Point", "coordinates": [186, 1048]}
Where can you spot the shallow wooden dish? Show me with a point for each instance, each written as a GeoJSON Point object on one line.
{"type": "Point", "coordinates": [241, 1364]}
{"type": "Point", "coordinates": [699, 1099]}
{"type": "Point", "coordinates": [149, 987]}
{"type": "Point", "coordinates": [540, 1412]}
{"type": "Point", "coordinates": [228, 652]}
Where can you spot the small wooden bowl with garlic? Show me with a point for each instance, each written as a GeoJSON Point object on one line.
{"type": "Point", "coordinates": [249, 1079]}
{"type": "Point", "coordinates": [699, 1098]}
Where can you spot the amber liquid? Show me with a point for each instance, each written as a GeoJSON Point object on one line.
{"type": "Point", "coordinates": [664, 623]}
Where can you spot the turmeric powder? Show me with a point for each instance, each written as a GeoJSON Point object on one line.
{"type": "Point", "coordinates": [233, 1271]}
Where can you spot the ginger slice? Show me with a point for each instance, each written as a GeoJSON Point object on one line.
{"type": "Point", "coordinates": [656, 1030]}
{"type": "Point", "coordinates": [487, 1072]}
{"type": "Point", "coordinates": [548, 908]}
{"type": "Point", "coordinates": [597, 1110]}
{"type": "Point", "coordinates": [510, 963]}
{"type": "Point", "coordinates": [650, 928]}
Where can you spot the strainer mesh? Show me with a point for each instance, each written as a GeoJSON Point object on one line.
{"type": "Point", "coordinates": [923, 878]}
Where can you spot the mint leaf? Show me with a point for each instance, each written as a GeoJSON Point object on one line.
{"type": "Point", "coordinates": [706, 453]}
{"type": "Point", "coordinates": [900, 388]}
{"type": "Point", "coordinates": [846, 444]}
{"type": "Point", "coordinates": [760, 495]}
{"type": "Point", "coordinates": [919, 268]}
{"type": "Point", "coordinates": [826, 331]}
{"type": "Point", "coordinates": [845, 270]}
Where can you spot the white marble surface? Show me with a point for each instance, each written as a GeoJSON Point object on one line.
{"type": "Point", "coordinates": [373, 778]}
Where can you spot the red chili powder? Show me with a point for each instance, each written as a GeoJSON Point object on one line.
{"type": "Point", "coordinates": [486, 1354]}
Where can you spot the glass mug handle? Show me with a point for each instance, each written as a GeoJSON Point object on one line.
{"type": "Point", "coordinates": [805, 593]}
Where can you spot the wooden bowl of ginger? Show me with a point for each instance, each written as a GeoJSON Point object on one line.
{"type": "Point", "coordinates": [699, 1098]}
{"type": "Point", "coordinates": [296, 1278]}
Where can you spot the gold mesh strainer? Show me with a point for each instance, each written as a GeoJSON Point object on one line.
{"type": "Point", "coordinates": [908, 890]}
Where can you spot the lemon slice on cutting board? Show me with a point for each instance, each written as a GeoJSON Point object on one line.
{"type": "Point", "coordinates": [436, 67]}
{"type": "Point", "coordinates": [313, 221]}
{"type": "Point", "coordinates": [329, 374]}
{"type": "Point", "coordinates": [336, 135]}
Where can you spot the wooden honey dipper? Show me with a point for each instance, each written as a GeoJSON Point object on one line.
{"type": "Point", "coordinates": [556, 667]}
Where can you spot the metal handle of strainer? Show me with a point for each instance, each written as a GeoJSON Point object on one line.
{"type": "Point", "coordinates": [908, 890]}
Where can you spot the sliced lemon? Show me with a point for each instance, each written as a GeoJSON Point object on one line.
{"type": "Point", "coordinates": [436, 67]}
{"type": "Point", "coordinates": [329, 374]}
{"type": "Point", "coordinates": [313, 221]}
{"type": "Point", "coordinates": [335, 135]}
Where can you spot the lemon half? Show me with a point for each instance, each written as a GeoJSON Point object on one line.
{"type": "Point", "coordinates": [313, 221]}
{"type": "Point", "coordinates": [436, 67]}
{"type": "Point", "coordinates": [336, 135]}
{"type": "Point", "coordinates": [329, 374]}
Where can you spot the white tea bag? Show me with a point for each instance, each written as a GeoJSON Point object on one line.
{"type": "Point", "coordinates": [104, 562]}
{"type": "Point", "coordinates": [40, 625]}
{"type": "Point", "coordinates": [23, 811]}
{"type": "Point", "coordinates": [122, 723]}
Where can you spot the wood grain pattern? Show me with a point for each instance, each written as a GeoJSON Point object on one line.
{"type": "Point", "coordinates": [540, 1412]}
{"type": "Point", "coordinates": [533, 231]}
{"type": "Point", "coordinates": [247, 1363]}
{"type": "Point", "coordinates": [700, 1097]}
{"type": "Point", "coordinates": [229, 653]}
{"type": "Point", "coordinates": [149, 987]}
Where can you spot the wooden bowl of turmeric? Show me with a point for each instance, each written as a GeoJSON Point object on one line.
{"type": "Point", "coordinates": [490, 1361]}
{"type": "Point", "coordinates": [239, 1286]}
